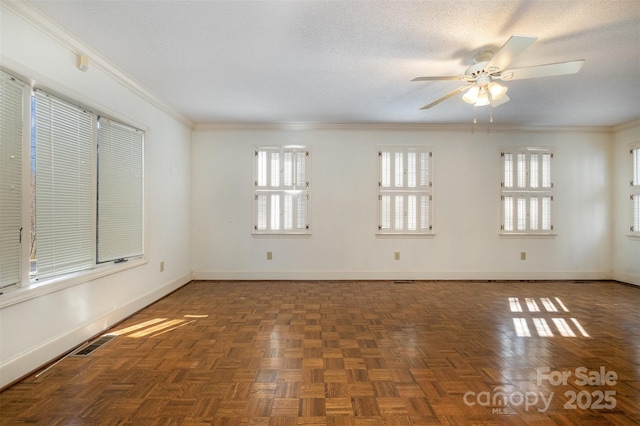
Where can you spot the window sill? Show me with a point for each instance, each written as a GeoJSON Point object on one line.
{"type": "Point", "coordinates": [283, 235]}
{"type": "Point", "coordinates": [526, 235]}
{"type": "Point", "coordinates": [14, 295]}
{"type": "Point", "coordinates": [633, 237]}
{"type": "Point", "coordinates": [391, 235]}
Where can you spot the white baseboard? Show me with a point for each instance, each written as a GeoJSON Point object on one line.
{"type": "Point", "coordinates": [394, 275]}
{"type": "Point", "coordinates": [626, 278]}
{"type": "Point", "coordinates": [17, 367]}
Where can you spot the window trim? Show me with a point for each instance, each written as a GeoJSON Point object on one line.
{"type": "Point", "coordinates": [19, 89]}
{"type": "Point", "coordinates": [526, 191]}
{"type": "Point", "coordinates": [18, 294]}
{"type": "Point", "coordinates": [634, 191]}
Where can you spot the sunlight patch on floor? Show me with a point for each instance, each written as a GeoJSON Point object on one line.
{"type": "Point", "coordinates": [544, 327]}
{"type": "Point", "coordinates": [155, 327]}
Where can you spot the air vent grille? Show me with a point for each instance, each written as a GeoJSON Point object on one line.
{"type": "Point", "coordinates": [86, 350]}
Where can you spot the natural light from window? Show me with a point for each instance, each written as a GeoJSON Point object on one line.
{"type": "Point", "coordinates": [552, 326]}
{"type": "Point", "coordinates": [155, 327]}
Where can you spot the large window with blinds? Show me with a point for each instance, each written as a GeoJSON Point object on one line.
{"type": "Point", "coordinates": [86, 180]}
{"type": "Point", "coordinates": [11, 131]}
{"type": "Point", "coordinates": [635, 190]}
{"type": "Point", "coordinates": [281, 190]}
{"type": "Point", "coordinates": [526, 191]}
{"type": "Point", "coordinates": [405, 190]}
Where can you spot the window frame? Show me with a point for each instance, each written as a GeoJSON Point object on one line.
{"type": "Point", "coordinates": [29, 287]}
{"type": "Point", "coordinates": [523, 187]}
{"type": "Point", "coordinates": [290, 187]}
{"type": "Point", "coordinates": [395, 185]}
{"type": "Point", "coordinates": [634, 191]}
{"type": "Point", "coordinates": [15, 173]}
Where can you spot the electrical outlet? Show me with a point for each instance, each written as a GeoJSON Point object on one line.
{"type": "Point", "coordinates": [269, 255]}
{"type": "Point", "coordinates": [162, 266]}
{"type": "Point", "coordinates": [523, 255]}
{"type": "Point", "coordinates": [396, 255]}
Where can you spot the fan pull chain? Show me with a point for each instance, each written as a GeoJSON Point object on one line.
{"type": "Point", "coordinates": [474, 115]}
{"type": "Point", "coordinates": [490, 113]}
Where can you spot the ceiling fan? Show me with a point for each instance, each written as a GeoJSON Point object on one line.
{"type": "Point", "coordinates": [481, 78]}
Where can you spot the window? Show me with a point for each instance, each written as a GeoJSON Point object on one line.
{"type": "Point", "coordinates": [120, 191]}
{"type": "Point", "coordinates": [64, 195]}
{"type": "Point", "coordinates": [281, 190]}
{"type": "Point", "coordinates": [635, 190]}
{"type": "Point", "coordinates": [86, 187]}
{"type": "Point", "coordinates": [405, 190]}
{"type": "Point", "coordinates": [11, 124]}
{"type": "Point", "coordinates": [526, 191]}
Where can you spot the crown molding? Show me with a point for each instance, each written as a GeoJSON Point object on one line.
{"type": "Point", "coordinates": [468, 128]}
{"type": "Point", "coordinates": [42, 22]}
{"type": "Point", "coordinates": [627, 125]}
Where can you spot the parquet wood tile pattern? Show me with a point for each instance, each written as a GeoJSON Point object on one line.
{"type": "Point", "coordinates": [355, 353]}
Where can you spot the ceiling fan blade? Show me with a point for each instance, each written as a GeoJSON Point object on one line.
{"type": "Point", "coordinates": [447, 96]}
{"type": "Point", "coordinates": [507, 53]}
{"type": "Point", "coordinates": [440, 77]}
{"type": "Point", "coordinates": [560, 68]}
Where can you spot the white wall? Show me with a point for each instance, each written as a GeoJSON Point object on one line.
{"type": "Point", "coordinates": [343, 244]}
{"type": "Point", "coordinates": [38, 329]}
{"type": "Point", "coordinates": [626, 250]}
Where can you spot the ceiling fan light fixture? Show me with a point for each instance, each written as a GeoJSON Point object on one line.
{"type": "Point", "coordinates": [471, 96]}
{"type": "Point", "coordinates": [483, 98]}
{"type": "Point", "coordinates": [497, 91]}
{"type": "Point", "coordinates": [479, 95]}
{"type": "Point", "coordinates": [502, 100]}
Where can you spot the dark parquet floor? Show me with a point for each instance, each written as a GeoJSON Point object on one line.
{"type": "Point", "coordinates": [355, 353]}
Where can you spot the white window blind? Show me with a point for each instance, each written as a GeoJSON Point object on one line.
{"type": "Point", "coordinates": [404, 190]}
{"type": "Point", "coordinates": [635, 190]}
{"type": "Point", "coordinates": [11, 110]}
{"type": "Point", "coordinates": [281, 190]}
{"type": "Point", "coordinates": [526, 191]}
{"type": "Point", "coordinates": [120, 191]}
{"type": "Point", "coordinates": [64, 196]}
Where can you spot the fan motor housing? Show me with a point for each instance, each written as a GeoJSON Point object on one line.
{"type": "Point", "coordinates": [479, 73]}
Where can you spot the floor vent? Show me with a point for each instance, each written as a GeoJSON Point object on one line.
{"type": "Point", "coordinates": [404, 282]}
{"type": "Point", "coordinates": [86, 350]}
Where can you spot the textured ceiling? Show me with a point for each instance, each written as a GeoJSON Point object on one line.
{"type": "Point", "coordinates": [352, 61]}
